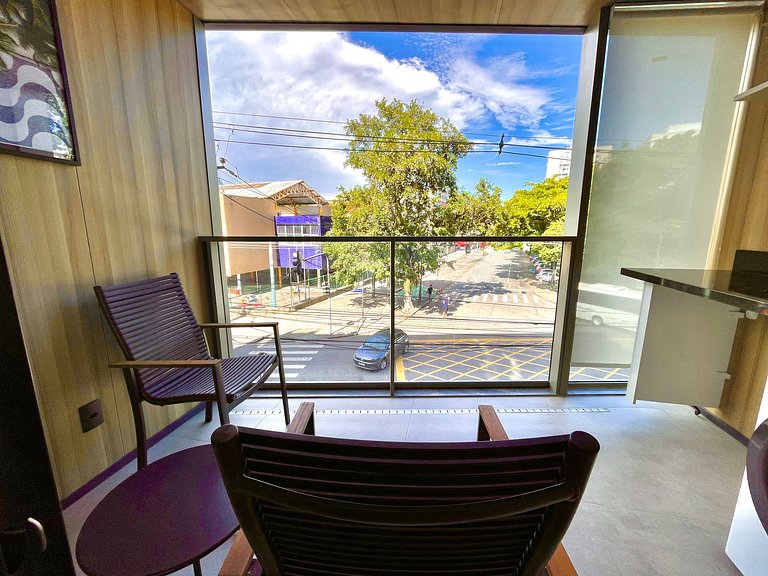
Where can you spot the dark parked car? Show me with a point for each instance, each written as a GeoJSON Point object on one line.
{"type": "Point", "coordinates": [373, 354]}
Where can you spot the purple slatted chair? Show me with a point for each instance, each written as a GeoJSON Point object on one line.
{"type": "Point", "coordinates": [757, 472]}
{"type": "Point", "coordinates": [166, 355]}
{"type": "Point", "coordinates": [311, 506]}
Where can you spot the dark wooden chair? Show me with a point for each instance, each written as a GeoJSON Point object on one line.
{"type": "Point", "coordinates": [311, 506]}
{"type": "Point", "coordinates": [166, 356]}
{"type": "Point", "coordinates": [757, 472]}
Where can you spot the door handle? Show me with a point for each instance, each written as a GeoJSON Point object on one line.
{"type": "Point", "coordinates": [17, 543]}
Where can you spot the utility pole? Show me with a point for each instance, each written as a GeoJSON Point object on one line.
{"type": "Point", "coordinates": [272, 276]}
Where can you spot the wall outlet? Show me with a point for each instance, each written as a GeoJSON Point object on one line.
{"type": "Point", "coordinates": [91, 415]}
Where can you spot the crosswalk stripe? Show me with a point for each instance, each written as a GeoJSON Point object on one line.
{"type": "Point", "coordinates": [495, 298]}
{"type": "Point", "coordinates": [294, 366]}
{"type": "Point", "coordinates": [525, 298]}
{"type": "Point", "coordinates": [288, 352]}
{"type": "Point", "coordinates": [505, 299]}
{"type": "Point", "coordinates": [485, 298]}
{"type": "Point", "coordinates": [474, 297]}
{"type": "Point", "coordinates": [515, 299]}
{"type": "Point", "coordinates": [276, 377]}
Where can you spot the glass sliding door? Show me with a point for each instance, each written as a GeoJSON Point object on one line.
{"type": "Point", "coordinates": [661, 167]}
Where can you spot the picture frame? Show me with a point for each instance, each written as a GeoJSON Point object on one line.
{"type": "Point", "coordinates": [35, 107]}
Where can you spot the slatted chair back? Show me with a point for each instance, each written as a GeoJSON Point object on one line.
{"type": "Point", "coordinates": [757, 472]}
{"type": "Point", "coordinates": [152, 320]}
{"type": "Point", "coordinates": [311, 505]}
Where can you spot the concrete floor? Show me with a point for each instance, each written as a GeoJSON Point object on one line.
{"type": "Point", "coordinates": [659, 501]}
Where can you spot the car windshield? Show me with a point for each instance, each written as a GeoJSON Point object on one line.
{"type": "Point", "coordinates": [377, 341]}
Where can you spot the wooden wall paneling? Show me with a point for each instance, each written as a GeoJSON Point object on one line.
{"type": "Point", "coordinates": [740, 389]}
{"type": "Point", "coordinates": [449, 11]}
{"type": "Point", "coordinates": [745, 228]}
{"type": "Point", "coordinates": [142, 181]}
{"type": "Point", "coordinates": [758, 381]}
{"type": "Point", "coordinates": [188, 151]}
{"type": "Point", "coordinates": [479, 12]}
{"type": "Point", "coordinates": [323, 11]}
{"type": "Point", "coordinates": [107, 180]}
{"type": "Point", "coordinates": [43, 230]}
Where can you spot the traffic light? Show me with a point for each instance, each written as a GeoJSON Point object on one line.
{"type": "Point", "coordinates": [296, 261]}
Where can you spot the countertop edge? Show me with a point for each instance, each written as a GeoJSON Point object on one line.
{"type": "Point", "coordinates": [657, 277]}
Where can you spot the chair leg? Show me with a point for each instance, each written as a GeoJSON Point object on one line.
{"type": "Point", "coordinates": [208, 411]}
{"type": "Point", "coordinates": [281, 372]}
{"type": "Point", "coordinates": [284, 393]}
{"type": "Point", "coordinates": [221, 397]}
{"type": "Point", "coordinates": [138, 419]}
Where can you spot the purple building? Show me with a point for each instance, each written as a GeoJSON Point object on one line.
{"type": "Point", "coordinates": [310, 252]}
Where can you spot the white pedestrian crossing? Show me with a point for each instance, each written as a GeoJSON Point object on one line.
{"type": "Point", "coordinates": [296, 355]}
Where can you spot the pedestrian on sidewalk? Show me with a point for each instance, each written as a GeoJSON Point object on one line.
{"type": "Point", "coordinates": [446, 304]}
{"type": "Point", "coordinates": [429, 292]}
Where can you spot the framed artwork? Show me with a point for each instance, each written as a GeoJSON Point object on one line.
{"type": "Point", "coordinates": [35, 112]}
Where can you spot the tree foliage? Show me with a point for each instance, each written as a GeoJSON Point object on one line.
{"type": "Point", "coordinates": [408, 156]}
{"type": "Point", "coordinates": [475, 214]}
{"type": "Point", "coordinates": [531, 211]}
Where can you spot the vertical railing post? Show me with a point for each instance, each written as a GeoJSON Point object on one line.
{"type": "Point", "coordinates": [392, 281]}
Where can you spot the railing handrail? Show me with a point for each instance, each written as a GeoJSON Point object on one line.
{"type": "Point", "coordinates": [287, 239]}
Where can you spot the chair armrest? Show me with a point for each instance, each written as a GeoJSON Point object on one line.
{"type": "Point", "coordinates": [489, 426]}
{"type": "Point", "coordinates": [304, 420]}
{"type": "Point", "coordinates": [194, 363]}
{"type": "Point", "coordinates": [238, 558]}
{"type": "Point", "coordinates": [560, 564]}
{"type": "Point", "coordinates": [269, 323]}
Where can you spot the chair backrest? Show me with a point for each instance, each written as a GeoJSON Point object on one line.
{"type": "Point", "coordinates": [757, 472]}
{"type": "Point", "coordinates": [311, 505]}
{"type": "Point", "coordinates": [152, 320]}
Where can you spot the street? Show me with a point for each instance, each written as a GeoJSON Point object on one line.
{"type": "Point", "coordinates": [498, 326]}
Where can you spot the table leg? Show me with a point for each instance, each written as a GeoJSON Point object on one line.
{"type": "Point", "coordinates": [197, 568]}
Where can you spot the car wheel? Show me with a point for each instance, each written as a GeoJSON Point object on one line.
{"type": "Point", "coordinates": [597, 320]}
{"type": "Point", "coordinates": [383, 364]}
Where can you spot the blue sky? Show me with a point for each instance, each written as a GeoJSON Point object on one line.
{"type": "Point", "coordinates": [288, 93]}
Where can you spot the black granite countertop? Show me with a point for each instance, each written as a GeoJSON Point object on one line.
{"type": "Point", "coordinates": [748, 291]}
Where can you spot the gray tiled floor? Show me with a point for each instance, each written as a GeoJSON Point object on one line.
{"type": "Point", "coordinates": [659, 501]}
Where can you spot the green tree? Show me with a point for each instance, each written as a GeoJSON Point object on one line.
{"type": "Point", "coordinates": [551, 253]}
{"type": "Point", "coordinates": [531, 211]}
{"type": "Point", "coordinates": [408, 156]}
{"type": "Point", "coordinates": [475, 214]}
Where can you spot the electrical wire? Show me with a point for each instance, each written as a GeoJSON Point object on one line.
{"type": "Point", "coordinates": [319, 120]}
{"type": "Point", "coordinates": [275, 145]}
{"type": "Point", "coordinates": [317, 134]}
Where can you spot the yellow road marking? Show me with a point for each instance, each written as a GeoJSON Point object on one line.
{"type": "Point", "coordinates": [399, 368]}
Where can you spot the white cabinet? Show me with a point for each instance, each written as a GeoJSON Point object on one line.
{"type": "Point", "coordinates": [682, 349]}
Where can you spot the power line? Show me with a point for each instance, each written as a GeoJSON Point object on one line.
{"type": "Point", "coordinates": [320, 135]}
{"type": "Point", "coordinates": [319, 120]}
{"type": "Point", "coordinates": [270, 220]}
{"type": "Point", "coordinates": [297, 146]}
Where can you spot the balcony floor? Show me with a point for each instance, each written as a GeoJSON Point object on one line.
{"type": "Point", "coordinates": [660, 498]}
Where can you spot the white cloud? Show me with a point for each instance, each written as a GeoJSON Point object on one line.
{"type": "Point", "coordinates": [325, 76]}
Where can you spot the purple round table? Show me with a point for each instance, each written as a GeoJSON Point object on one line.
{"type": "Point", "coordinates": [164, 517]}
